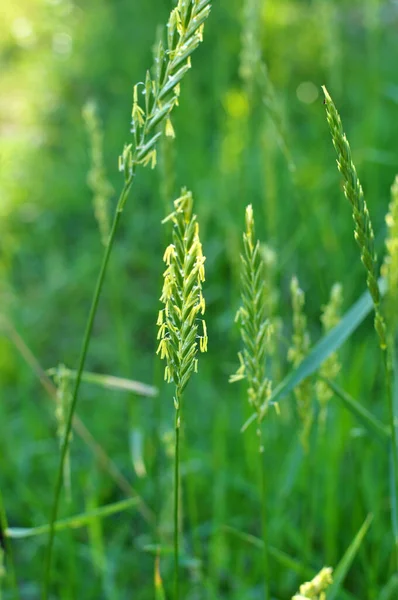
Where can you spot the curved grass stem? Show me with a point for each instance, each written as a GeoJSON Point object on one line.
{"type": "Point", "coordinates": [82, 360]}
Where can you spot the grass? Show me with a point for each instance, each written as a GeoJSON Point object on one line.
{"type": "Point", "coordinates": [246, 132]}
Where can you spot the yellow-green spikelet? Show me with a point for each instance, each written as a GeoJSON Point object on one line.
{"type": "Point", "coordinates": [316, 588]}
{"type": "Point", "coordinates": [182, 296]}
{"type": "Point", "coordinates": [390, 266]}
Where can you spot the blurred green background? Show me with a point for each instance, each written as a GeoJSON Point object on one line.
{"type": "Point", "coordinates": [55, 55]}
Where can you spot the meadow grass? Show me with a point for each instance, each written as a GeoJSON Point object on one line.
{"type": "Point", "coordinates": [161, 92]}
{"type": "Point", "coordinates": [245, 134]}
{"type": "Point", "coordinates": [364, 236]}
{"type": "Point", "coordinates": [178, 325]}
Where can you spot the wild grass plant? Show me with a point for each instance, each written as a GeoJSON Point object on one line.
{"type": "Point", "coordinates": [364, 236]}
{"type": "Point", "coordinates": [161, 91]}
{"type": "Point", "coordinates": [243, 130]}
{"type": "Point", "coordinates": [180, 326]}
{"type": "Point", "coordinates": [256, 333]}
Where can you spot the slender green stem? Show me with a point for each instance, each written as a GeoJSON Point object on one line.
{"type": "Point", "coordinates": [264, 516]}
{"type": "Point", "coordinates": [8, 549]}
{"type": "Point", "coordinates": [177, 495]}
{"type": "Point", "coordinates": [393, 445]}
{"type": "Point", "coordinates": [82, 360]}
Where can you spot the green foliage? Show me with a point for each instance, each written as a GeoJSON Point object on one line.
{"type": "Point", "coordinates": [249, 128]}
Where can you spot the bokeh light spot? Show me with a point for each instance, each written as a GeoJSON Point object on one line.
{"type": "Point", "coordinates": [307, 92]}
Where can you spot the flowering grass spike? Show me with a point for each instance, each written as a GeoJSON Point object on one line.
{"type": "Point", "coordinates": [161, 88]}
{"type": "Point", "coordinates": [179, 324]}
{"type": "Point", "coordinates": [363, 231]}
{"type": "Point", "coordinates": [316, 588]}
{"type": "Point", "coordinates": [256, 332]}
{"type": "Point", "coordinates": [180, 320]}
{"type": "Point", "coordinates": [390, 266]}
{"type": "Point", "coordinates": [254, 324]}
{"type": "Point", "coordinates": [298, 350]}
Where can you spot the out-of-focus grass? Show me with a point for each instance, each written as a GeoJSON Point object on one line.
{"type": "Point", "coordinates": [54, 56]}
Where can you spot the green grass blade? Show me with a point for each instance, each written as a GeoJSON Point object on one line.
{"type": "Point", "coordinates": [347, 560]}
{"type": "Point", "coordinates": [373, 424]}
{"type": "Point", "coordinates": [286, 561]}
{"type": "Point", "coordinates": [113, 383]}
{"type": "Point", "coordinates": [73, 522]}
{"type": "Point", "coordinates": [324, 348]}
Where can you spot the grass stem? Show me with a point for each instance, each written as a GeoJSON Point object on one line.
{"type": "Point", "coordinates": [264, 517]}
{"type": "Point", "coordinates": [177, 497]}
{"type": "Point", "coordinates": [393, 445]}
{"type": "Point", "coordinates": [82, 360]}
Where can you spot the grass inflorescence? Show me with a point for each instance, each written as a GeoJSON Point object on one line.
{"type": "Point", "coordinates": [363, 229]}
{"type": "Point", "coordinates": [299, 348]}
{"type": "Point", "coordinates": [180, 325]}
{"type": "Point", "coordinates": [363, 232]}
{"type": "Point", "coordinates": [256, 332]}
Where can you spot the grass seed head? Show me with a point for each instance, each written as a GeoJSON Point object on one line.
{"type": "Point", "coordinates": [315, 589]}
{"type": "Point", "coordinates": [390, 266]}
{"type": "Point", "coordinates": [298, 350]}
{"type": "Point", "coordinates": [182, 332]}
{"type": "Point", "coordinates": [254, 325]}
{"type": "Point", "coordinates": [331, 314]}
{"type": "Point", "coordinates": [161, 89]}
{"type": "Point", "coordinates": [363, 230]}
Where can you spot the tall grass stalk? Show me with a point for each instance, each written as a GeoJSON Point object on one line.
{"type": "Point", "coordinates": [255, 332]}
{"type": "Point", "coordinates": [364, 236]}
{"type": "Point", "coordinates": [178, 324]}
{"type": "Point", "coordinates": [160, 91]}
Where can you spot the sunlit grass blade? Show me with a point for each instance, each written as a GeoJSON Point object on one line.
{"type": "Point", "coordinates": [74, 522]}
{"type": "Point", "coordinates": [324, 348]}
{"type": "Point", "coordinates": [347, 560]}
{"type": "Point", "coordinates": [113, 383]}
{"type": "Point", "coordinates": [373, 424]}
